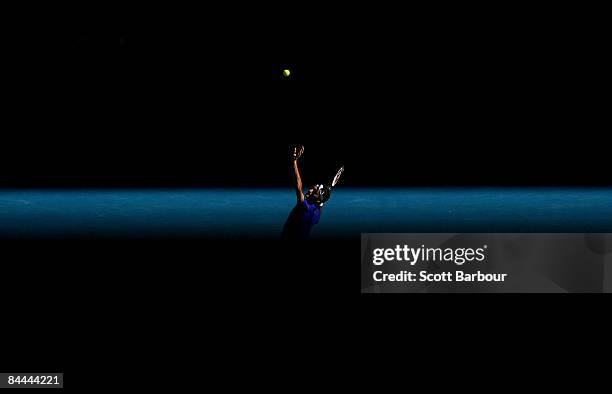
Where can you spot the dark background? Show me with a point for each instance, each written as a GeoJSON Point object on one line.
{"type": "Point", "coordinates": [414, 97]}
{"type": "Point", "coordinates": [194, 97]}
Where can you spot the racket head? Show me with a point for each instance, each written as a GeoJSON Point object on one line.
{"type": "Point", "coordinates": [337, 177]}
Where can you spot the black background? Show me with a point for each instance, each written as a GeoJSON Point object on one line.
{"type": "Point", "coordinates": [414, 97]}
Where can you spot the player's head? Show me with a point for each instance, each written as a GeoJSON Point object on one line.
{"type": "Point", "coordinates": [318, 194]}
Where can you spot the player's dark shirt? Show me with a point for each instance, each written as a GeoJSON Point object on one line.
{"type": "Point", "coordinates": [300, 221]}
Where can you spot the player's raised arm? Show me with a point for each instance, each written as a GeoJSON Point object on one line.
{"type": "Point", "coordinates": [297, 153]}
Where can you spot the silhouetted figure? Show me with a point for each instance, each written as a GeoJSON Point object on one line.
{"type": "Point", "coordinates": [307, 210]}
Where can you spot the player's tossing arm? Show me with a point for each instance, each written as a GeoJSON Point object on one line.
{"type": "Point", "coordinates": [297, 153]}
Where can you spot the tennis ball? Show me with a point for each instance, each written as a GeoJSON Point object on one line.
{"type": "Point", "coordinates": [286, 73]}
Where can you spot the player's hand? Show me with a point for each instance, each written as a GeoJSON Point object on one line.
{"type": "Point", "coordinates": [297, 152]}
